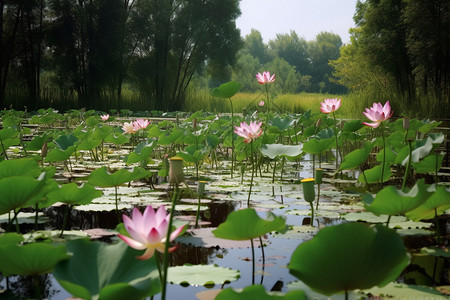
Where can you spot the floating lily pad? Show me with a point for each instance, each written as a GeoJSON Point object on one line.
{"type": "Point", "coordinates": [328, 265]}
{"type": "Point", "coordinates": [405, 291]}
{"type": "Point", "coordinates": [207, 275]}
{"type": "Point", "coordinates": [258, 292]}
{"type": "Point", "coordinates": [26, 218]}
{"type": "Point", "coordinates": [298, 233]}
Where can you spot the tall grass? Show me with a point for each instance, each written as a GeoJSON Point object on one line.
{"type": "Point", "coordinates": [352, 105]}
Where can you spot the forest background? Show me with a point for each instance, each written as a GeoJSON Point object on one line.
{"type": "Point", "coordinates": [165, 55]}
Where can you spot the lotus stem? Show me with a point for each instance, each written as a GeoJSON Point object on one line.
{"type": "Point", "coordinates": [166, 246]}
{"type": "Point", "coordinates": [408, 166]}
{"type": "Point", "coordinates": [253, 173]}
{"type": "Point", "coordinates": [253, 262]}
{"type": "Point", "coordinates": [66, 213]}
{"type": "Point", "coordinates": [312, 213]}
{"type": "Point", "coordinates": [337, 142]}
{"type": "Point", "coordinates": [263, 259]}
{"type": "Point", "coordinates": [273, 178]}
{"type": "Point", "coordinates": [232, 138]}
{"type": "Point", "coordinates": [384, 157]}
{"type": "Point", "coordinates": [388, 220]}
{"type": "Point", "coordinates": [436, 224]}
{"type": "Point", "coordinates": [3, 148]}
{"type": "Point", "coordinates": [318, 196]}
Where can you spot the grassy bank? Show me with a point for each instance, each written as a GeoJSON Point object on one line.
{"type": "Point", "coordinates": [352, 105]}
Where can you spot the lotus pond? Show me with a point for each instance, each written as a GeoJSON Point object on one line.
{"type": "Point", "coordinates": [341, 210]}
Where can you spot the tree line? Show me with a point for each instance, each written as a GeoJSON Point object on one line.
{"type": "Point", "coordinates": [299, 65]}
{"type": "Point", "coordinates": [399, 48]}
{"type": "Point", "coordinates": [92, 48]}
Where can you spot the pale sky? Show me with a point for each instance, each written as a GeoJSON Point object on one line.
{"type": "Point", "coordinates": [306, 17]}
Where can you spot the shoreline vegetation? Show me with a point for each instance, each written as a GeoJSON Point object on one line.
{"type": "Point", "coordinates": [201, 99]}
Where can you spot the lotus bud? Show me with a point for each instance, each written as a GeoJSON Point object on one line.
{"type": "Point", "coordinates": [308, 189]}
{"type": "Point", "coordinates": [194, 123]}
{"type": "Point", "coordinates": [176, 174]}
{"type": "Point", "coordinates": [44, 150]}
{"type": "Point", "coordinates": [406, 123]}
{"type": "Point", "coordinates": [318, 122]}
{"type": "Point", "coordinates": [201, 188]}
{"type": "Point", "coordinates": [318, 176]}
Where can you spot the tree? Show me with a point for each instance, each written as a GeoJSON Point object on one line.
{"type": "Point", "coordinates": [383, 41]}
{"type": "Point", "coordinates": [428, 42]}
{"type": "Point", "coordinates": [183, 35]}
{"type": "Point", "coordinates": [254, 45]}
{"type": "Point", "coordinates": [292, 49]}
{"type": "Point", "coordinates": [321, 51]}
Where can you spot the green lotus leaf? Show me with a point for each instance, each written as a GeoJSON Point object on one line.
{"type": "Point", "coordinates": [258, 292]}
{"type": "Point", "coordinates": [274, 150]}
{"type": "Point", "coordinates": [10, 238]}
{"type": "Point", "coordinates": [392, 201]}
{"type": "Point", "coordinates": [326, 133]}
{"type": "Point", "coordinates": [373, 175]}
{"type": "Point", "coordinates": [357, 157]}
{"type": "Point", "coordinates": [317, 146]}
{"type": "Point", "coordinates": [30, 259]}
{"type": "Point", "coordinates": [37, 142]}
{"type": "Point", "coordinates": [65, 141]}
{"type": "Point", "coordinates": [117, 137]}
{"type": "Point", "coordinates": [59, 155]}
{"type": "Point", "coordinates": [423, 147]}
{"type": "Point", "coordinates": [141, 152]}
{"type": "Point", "coordinates": [435, 251]}
{"type": "Point", "coordinates": [245, 224]}
{"type": "Point", "coordinates": [101, 131]}
{"type": "Point", "coordinates": [339, 258]}
{"type": "Point", "coordinates": [100, 271]}
{"type": "Point", "coordinates": [191, 154]}
{"type": "Point", "coordinates": [19, 167]}
{"type": "Point", "coordinates": [395, 290]}
{"type": "Point", "coordinates": [19, 191]}
{"type": "Point", "coordinates": [226, 90]}
{"type": "Point", "coordinates": [71, 193]}
{"type": "Point", "coordinates": [7, 133]}
{"type": "Point", "coordinates": [437, 203]}
{"type": "Point", "coordinates": [201, 275]}
{"type": "Point", "coordinates": [429, 164]}
{"type": "Point", "coordinates": [280, 124]}
{"type": "Point", "coordinates": [89, 143]}
{"type": "Point", "coordinates": [352, 126]}
{"type": "Point", "coordinates": [170, 137]}
{"type": "Point", "coordinates": [102, 178]}
{"type": "Point", "coordinates": [93, 120]}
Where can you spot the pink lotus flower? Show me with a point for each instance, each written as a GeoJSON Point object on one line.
{"type": "Point", "coordinates": [330, 105]}
{"type": "Point", "coordinates": [148, 231]}
{"type": "Point", "coordinates": [104, 117]}
{"type": "Point", "coordinates": [377, 114]}
{"type": "Point", "coordinates": [261, 103]}
{"type": "Point", "coordinates": [265, 77]}
{"type": "Point", "coordinates": [128, 128]}
{"type": "Point", "coordinates": [249, 132]}
{"type": "Point", "coordinates": [140, 124]}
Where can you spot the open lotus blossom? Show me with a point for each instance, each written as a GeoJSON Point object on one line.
{"type": "Point", "coordinates": [261, 103]}
{"type": "Point", "coordinates": [140, 124]}
{"type": "Point", "coordinates": [377, 114]}
{"type": "Point", "coordinates": [128, 128]}
{"type": "Point", "coordinates": [265, 77]}
{"type": "Point", "coordinates": [330, 105]}
{"type": "Point", "coordinates": [148, 231]}
{"type": "Point", "coordinates": [104, 117]}
{"type": "Point", "coordinates": [249, 132]}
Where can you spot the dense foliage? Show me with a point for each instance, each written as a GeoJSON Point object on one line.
{"type": "Point", "coordinates": [88, 50]}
